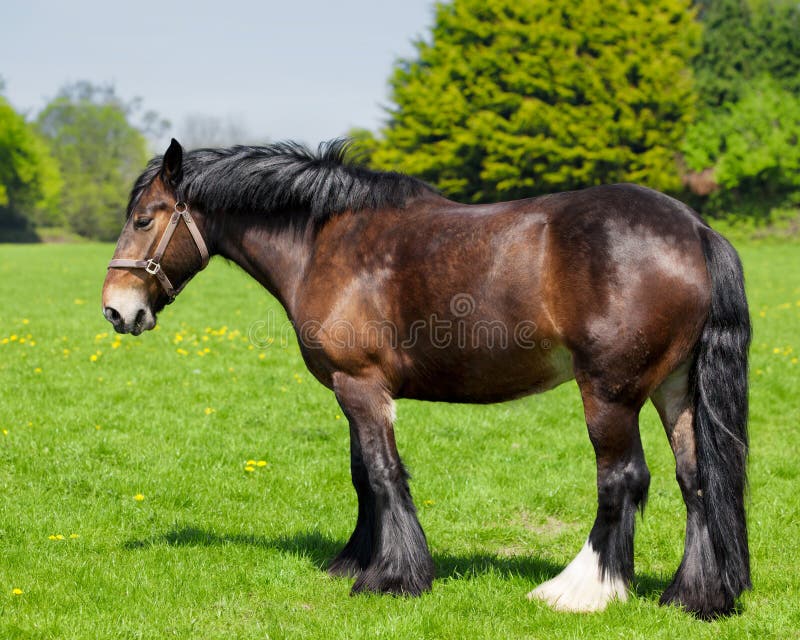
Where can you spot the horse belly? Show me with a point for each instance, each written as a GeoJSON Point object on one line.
{"type": "Point", "coordinates": [489, 376]}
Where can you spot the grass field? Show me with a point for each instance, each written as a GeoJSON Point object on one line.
{"type": "Point", "coordinates": [128, 510]}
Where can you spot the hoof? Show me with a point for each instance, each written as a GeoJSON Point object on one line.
{"type": "Point", "coordinates": [707, 605]}
{"type": "Point", "coordinates": [581, 587]}
{"type": "Point", "coordinates": [380, 578]}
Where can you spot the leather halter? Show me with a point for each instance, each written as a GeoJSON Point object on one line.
{"type": "Point", "coordinates": [153, 265]}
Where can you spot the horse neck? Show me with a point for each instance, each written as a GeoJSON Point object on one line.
{"type": "Point", "coordinates": [274, 254]}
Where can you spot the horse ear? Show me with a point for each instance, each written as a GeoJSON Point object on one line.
{"type": "Point", "coordinates": [172, 166]}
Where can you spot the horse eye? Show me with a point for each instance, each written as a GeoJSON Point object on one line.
{"type": "Point", "coordinates": [142, 223]}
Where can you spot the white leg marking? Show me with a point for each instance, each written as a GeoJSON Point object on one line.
{"type": "Point", "coordinates": [580, 586]}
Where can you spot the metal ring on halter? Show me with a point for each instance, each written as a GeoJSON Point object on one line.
{"type": "Point", "coordinates": [181, 207]}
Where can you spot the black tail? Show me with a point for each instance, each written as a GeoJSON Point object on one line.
{"type": "Point", "coordinates": [719, 379]}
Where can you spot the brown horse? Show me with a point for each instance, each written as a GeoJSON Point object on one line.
{"type": "Point", "coordinates": [396, 292]}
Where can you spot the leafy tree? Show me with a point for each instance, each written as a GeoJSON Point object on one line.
{"type": "Point", "coordinates": [753, 146]}
{"type": "Point", "coordinates": [100, 153]}
{"type": "Point", "coordinates": [29, 178]}
{"type": "Point", "coordinates": [512, 98]}
{"type": "Point", "coordinates": [744, 40]}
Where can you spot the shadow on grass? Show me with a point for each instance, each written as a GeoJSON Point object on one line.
{"type": "Point", "coordinates": [320, 550]}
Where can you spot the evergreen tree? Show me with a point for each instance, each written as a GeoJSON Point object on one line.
{"type": "Point", "coordinates": [512, 98]}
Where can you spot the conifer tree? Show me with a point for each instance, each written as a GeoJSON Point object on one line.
{"type": "Point", "coordinates": [513, 98]}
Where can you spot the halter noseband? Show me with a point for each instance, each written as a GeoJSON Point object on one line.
{"type": "Point", "coordinates": [153, 265]}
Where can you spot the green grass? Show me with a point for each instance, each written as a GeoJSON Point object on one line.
{"type": "Point", "coordinates": [505, 492]}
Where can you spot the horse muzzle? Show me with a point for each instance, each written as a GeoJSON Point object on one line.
{"type": "Point", "coordinates": [128, 314]}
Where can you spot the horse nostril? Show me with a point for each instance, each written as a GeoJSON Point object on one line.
{"type": "Point", "coordinates": [112, 315]}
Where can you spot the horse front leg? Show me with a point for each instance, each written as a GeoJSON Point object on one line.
{"type": "Point", "coordinates": [603, 569]}
{"type": "Point", "coordinates": [357, 553]}
{"type": "Point", "coordinates": [399, 560]}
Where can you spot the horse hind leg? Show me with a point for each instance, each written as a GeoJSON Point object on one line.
{"type": "Point", "coordinates": [697, 585]}
{"type": "Point", "coordinates": [603, 569]}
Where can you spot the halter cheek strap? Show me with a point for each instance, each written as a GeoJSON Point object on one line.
{"type": "Point", "coordinates": [153, 265]}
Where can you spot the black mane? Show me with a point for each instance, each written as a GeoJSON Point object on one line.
{"type": "Point", "coordinates": [284, 176]}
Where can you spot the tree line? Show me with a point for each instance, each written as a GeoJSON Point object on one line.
{"type": "Point", "coordinates": [503, 99]}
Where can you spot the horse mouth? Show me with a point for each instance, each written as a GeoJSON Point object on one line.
{"type": "Point", "coordinates": [143, 322]}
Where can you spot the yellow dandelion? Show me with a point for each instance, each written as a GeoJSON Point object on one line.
{"type": "Point", "coordinates": [74, 536]}
{"type": "Point", "coordinates": [261, 463]}
{"type": "Point", "coordinates": [429, 502]}
{"type": "Point", "coordinates": [25, 321]}
{"type": "Point", "coordinates": [794, 361]}
{"type": "Point", "coordinates": [79, 301]}
{"type": "Point", "coordinates": [205, 338]}
{"type": "Point", "coordinates": [138, 497]}
{"type": "Point", "coordinates": [182, 352]}
{"type": "Point", "coordinates": [206, 350]}
{"type": "Point", "coordinates": [249, 469]}
{"type": "Point", "coordinates": [14, 337]}
{"type": "Point", "coordinates": [338, 417]}
{"type": "Point", "coordinates": [178, 338]}
{"type": "Point", "coordinates": [5, 432]}
{"type": "Point", "coordinates": [59, 536]}
{"type": "Point", "coordinates": [37, 370]}
{"type": "Point", "coordinates": [115, 345]}
{"type": "Point", "coordinates": [66, 352]}
{"type": "Point", "coordinates": [93, 357]}
{"type": "Point", "coordinates": [776, 350]}
{"type": "Point", "coordinates": [16, 591]}
{"type": "Point", "coordinates": [4, 341]}
{"type": "Point", "coordinates": [32, 343]}
{"type": "Point", "coordinates": [261, 356]}
{"type": "Point", "coordinates": [250, 463]}
{"type": "Point", "coordinates": [51, 537]}
{"type": "Point", "coordinates": [97, 427]}
{"type": "Point", "coordinates": [208, 411]}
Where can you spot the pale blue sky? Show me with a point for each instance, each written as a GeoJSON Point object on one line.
{"type": "Point", "coordinates": [303, 70]}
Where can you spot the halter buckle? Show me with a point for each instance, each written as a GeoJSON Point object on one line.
{"type": "Point", "coordinates": [152, 267]}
